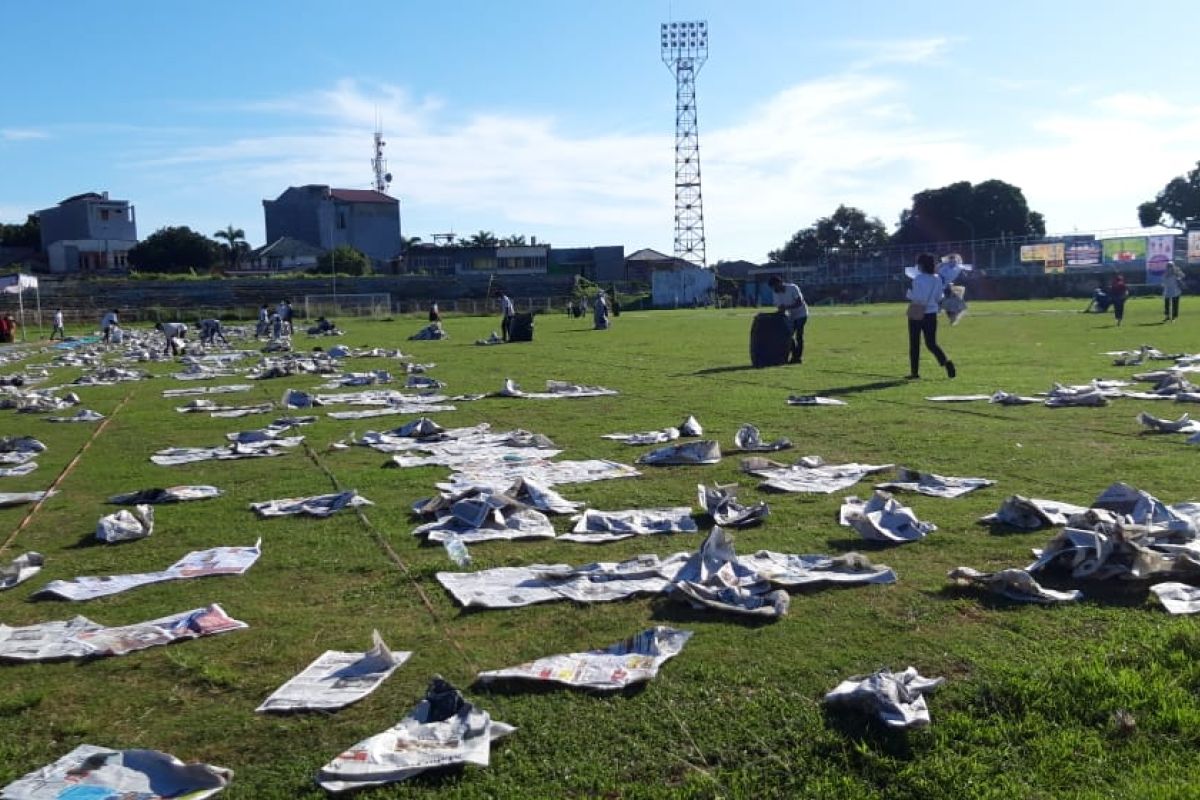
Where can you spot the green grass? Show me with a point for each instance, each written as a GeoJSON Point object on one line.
{"type": "Point", "coordinates": [1030, 707]}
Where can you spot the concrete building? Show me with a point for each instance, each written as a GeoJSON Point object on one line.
{"type": "Point", "coordinates": [323, 217]}
{"type": "Point", "coordinates": [682, 284]}
{"type": "Point", "coordinates": [88, 233]}
{"type": "Point", "coordinates": [498, 260]}
{"type": "Point", "coordinates": [599, 264]}
{"type": "Point", "coordinates": [285, 254]}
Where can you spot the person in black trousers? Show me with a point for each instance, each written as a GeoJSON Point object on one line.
{"type": "Point", "coordinates": [927, 289]}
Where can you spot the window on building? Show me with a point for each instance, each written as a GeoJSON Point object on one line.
{"type": "Point", "coordinates": [104, 215]}
{"type": "Point", "coordinates": [341, 220]}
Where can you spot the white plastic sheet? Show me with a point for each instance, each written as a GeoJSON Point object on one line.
{"type": "Point", "coordinates": [635, 660]}
{"type": "Point", "coordinates": [336, 679]}
{"type": "Point", "coordinates": [100, 773]}
{"type": "Point", "coordinates": [443, 730]}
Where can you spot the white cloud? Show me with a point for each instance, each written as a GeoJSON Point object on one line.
{"type": "Point", "coordinates": [853, 138]}
{"type": "Point", "coordinates": [877, 52]}
{"type": "Point", "coordinates": [21, 134]}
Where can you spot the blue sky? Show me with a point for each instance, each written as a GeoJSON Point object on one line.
{"type": "Point", "coordinates": [555, 118]}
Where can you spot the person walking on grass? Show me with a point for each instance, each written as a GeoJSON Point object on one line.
{"type": "Point", "coordinates": [790, 301]}
{"type": "Point", "coordinates": [1172, 284]}
{"type": "Point", "coordinates": [1118, 293]}
{"type": "Point", "coordinates": [58, 326]}
{"type": "Point", "coordinates": [507, 312]}
{"type": "Point", "coordinates": [108, 321]}
{"type": "Point", "coordinates": [926, 292]}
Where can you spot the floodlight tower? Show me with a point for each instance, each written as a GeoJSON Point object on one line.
{"type": "Point", "coordinates": [383, 178]}
{"type": "Point", "coordinates": [684, 51]}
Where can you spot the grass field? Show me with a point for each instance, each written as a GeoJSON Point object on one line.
{"type": "Point", "coordinates": [1028, 707]}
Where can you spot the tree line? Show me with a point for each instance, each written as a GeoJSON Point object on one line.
{"type": "Point", "coordinates": [964, 211]}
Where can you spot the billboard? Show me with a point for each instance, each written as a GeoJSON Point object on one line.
{"type": "Point", "coordinates": [1193, 242]}
{"type": "Point", "coordinates": [1124, 252]}
{"type": "Point", "coordinates": [1082, 251]}
{"type": "Point", "coordinates": [1049, 253]}
{"type": "Point", "coordinates": [1159, 250]}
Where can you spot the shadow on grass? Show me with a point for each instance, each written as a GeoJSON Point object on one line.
{"type": "Point", "coordinates": [671, 610]}
{"type": "Point", "coordinates": [719, 370]}
{"type": "Point", "coordinates": [860, 544]}
{"type": "Point", "coordinates": [517, 686]}
{"type": "Point", "coordinates": [873, 386]}
{"type": "Point", "coordinates": [87, 540]}
{"type": "Point", "coordinates": [865, 729]}
{"type": "Point", "coordinates": [1123, 594]}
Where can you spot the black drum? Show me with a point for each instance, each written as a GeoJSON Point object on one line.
{"type": "Point", "coordinates": [521, 329]}
{"type": "Point", "coordinates": [770, 340]}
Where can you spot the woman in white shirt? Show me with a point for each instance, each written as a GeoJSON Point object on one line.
{"type": "Point", "coordinates": [1172, 284]}
{"type": "Point", "coordinates": [927, 289]}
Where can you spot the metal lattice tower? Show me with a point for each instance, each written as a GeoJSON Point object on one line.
{"type": "Point", "coordinates": [383, 178]}
{"type": "Point", "coordinates": [684, 51]}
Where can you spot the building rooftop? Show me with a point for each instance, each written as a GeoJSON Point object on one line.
{"type": "Point", "coordinates": [361, 196]}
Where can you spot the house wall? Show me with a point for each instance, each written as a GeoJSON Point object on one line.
{"type": "Point", "coordinates": [309, 214]}
{"type": "Point", "coordinates": [673, 288]}
{"type": "Point", "coordinates": [87, 219]}
{"type": "Point", "coordinates": [88, 255]}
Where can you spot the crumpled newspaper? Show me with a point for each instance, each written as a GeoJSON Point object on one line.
{"type": "Point", "coordinates": [82, 415]}
{"type": "Point", "coordinates": [443, 730]}
{"type": "Point", "coordinates": [898, 699]}
{"type": "Point", "coordinates": [720, 502]}
{"type": "Point", "coordinates": [173, 494]}
{"type": "Point", "coordinates": [690, 427]}
{"type": "Point", "coordinates": [635, 660]}
{"type": "Point", "coordinates": [1014, 584]}
{"type": "Point", "coordinates": [1177, 598]}
{"type": "Point", "coordinates": [99, 773]}
{"type": "Point", "coordinates": [594, 526]}
{"type": "Point", "coordinates": [883, 518]}
{"type": "Point", "coordinates": [20, 569]}
{"type": "Point", "coordinates": [749, 439]}
{"type": "Point", "coordinates": [644, 437]}
{"type": "Point", "coordinates": [809, 474]}
{"type": "Point", "coordinates": [1185, 424]}
{"type": "Point", "coordinates": [1031, 513]}
{"type": "Point", "coordinates": [126, 526]}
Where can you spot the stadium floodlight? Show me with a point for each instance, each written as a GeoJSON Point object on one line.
{"type": "Point", "coordinates": [684, 48]}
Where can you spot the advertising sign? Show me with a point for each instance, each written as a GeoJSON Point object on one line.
{"type": "Point", "coordinates": [1049, 253]}
{"type": "Point", "coordinates": [1082, 251]}
{"type": "Point", "coordinates": [1193, 244]}
{"type": "Point", "coordinates": [1159, 250]}
{"type": "Point", "coordinates": [1124, 252]}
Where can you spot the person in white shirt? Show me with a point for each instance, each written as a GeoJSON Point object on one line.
{"type": "Point", "coordinates": [507, 312]}
{"type": "Point", "coordinates": [790, 301]}
{"type": "Point", "coordinates": [106, 322]}
{"type": "Point", "coordinates": [58, 325]}
{"type": "Point", "coordinates": [264, 321]}
{"type": "Point", "coordinates": [927, 290]}
{"type": "Point", "coordinates": [1172, 284]}
{"type": "Point", "coordinates": [175, 333]}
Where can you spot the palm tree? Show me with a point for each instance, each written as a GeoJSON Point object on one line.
{"type": "Point", "coordinates": [515, 240]}
{"type": "Point", "coordinates": [234, 245]}
{"type": "Point", "coordinates": [483, 239]}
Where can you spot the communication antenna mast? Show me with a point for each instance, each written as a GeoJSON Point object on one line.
{"type": "Point", "coordinates": [684, 51]}
{"type": "Point", "coordinates": [383, 178]}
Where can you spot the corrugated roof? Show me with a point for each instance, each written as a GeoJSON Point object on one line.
{"type": "Point", "coordinates": [287, 247]}
{"type": "Point", "coordinates": [361, 196]}
{"type": "Point", "coordinates": [646, 254]}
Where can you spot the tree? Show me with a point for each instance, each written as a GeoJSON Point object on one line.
{"type": "Point", "coordinates": [482, 239]}
{"type": "Point", "coordinates": [234, 246]}
{"type": "Point", "coordinates": [27, 235]}
{"type": "Point", "coordinates": [515, 240]}
{"type": "Point", "coordinates": [848, 229]}
{"type": "Point", "coordinates": [345, 260]}
{"type": "Point", "coordinates": [175, 249]}
{"type": "Point", "coordinates": [990, 210]}
{"type": "Point", "coordinates": [1178, 202]}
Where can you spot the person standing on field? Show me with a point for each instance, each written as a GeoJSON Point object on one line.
{"type": "Point", "coordinates": [1172, 284]}
{"type": "Point", "coordinates": [927, 290]}
{"type": "Point", "coordinates": [507, 312]}
{"type": "Point", "coordinates": [790, 301]}
{"type": "Point", "coordinates": [1118, 293]}
{"type": "Point", "coordinates": [58, 325]}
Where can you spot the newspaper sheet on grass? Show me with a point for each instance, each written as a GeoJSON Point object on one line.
{"type": "Point", "coordinates": [705, 451]}
{"type": "Point", "coordinates": [595, 527]}
{"type": "Point", "coordinates": [513, 587]}
{"type": "Point", "coordinates": [644, 437]}
{"type": "Point", "coordinates": [933, 485]}
{"type": "Point", "coordinates": [336, 679]}
{"type": "Point", "coordinates": [810, 474]}
{"type": "Point", "coordinates": [1013, 584]}
{"type": "Point", "coordinates": [1185, 424]}
{"type": "Point", "coordinates": [125, 525]}
{"type": "Point", "coordinates": [82, 415]}
{"type": "Point", "coordinates": [196, 564]}
{"type": "Point", "coordinates": [172, 456]}
{"type": "Point", "coordinates": [20, 569]}
{"type": "Point", "coordinates": [554, 390]}
{"type": "Point", "coordinates": [508, 524]}
{"type": "Point", "coordinates": [173, 494]}
{"type": "Point", "coordinates": [315, 506]}
{"type": "Point", "coordinates": [883, 518]}
{"type": "Point", "coordinates": [79, 637]}
{"type": "Point", "coordinates": [898, 699]}
{"type": "Point", "coordinates": [1177, 598]}
{"type": "Point", "coordinates": [197, 391]}
{"type": "Point", "coordinates": [635, 660]}
{"type": "Point", "coordinates": [443, 730]}
{"type": "Point", "coordinates": [20, 498]}
{"type": "Point", "coordinates": [19, 470]}
{"type": "Point", "coordinates": [721, 503]}
{"type": "Point", "coordinates": [100, 773]}
{"type": "Point", "coordinates": [500, 475]}
{"type": "Point", "coordinates": [748, 439]}
{"type": "Point", "coordinates": [1030, 513]}
{"type": "Point", "coordinates": [813, 400]}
